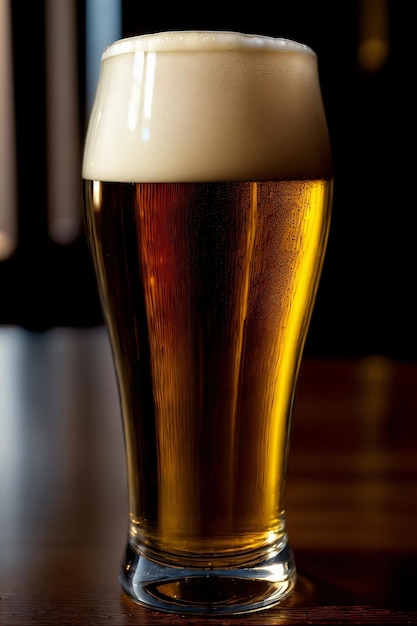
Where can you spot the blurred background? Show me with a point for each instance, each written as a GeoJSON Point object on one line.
{"type": "Point", "coordinates": [49, 60]}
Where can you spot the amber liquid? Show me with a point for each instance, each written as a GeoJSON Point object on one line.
{"type": "Point", "coordinates": [207, 290]}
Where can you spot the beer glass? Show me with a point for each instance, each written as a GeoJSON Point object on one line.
{"type": "Point", "coordinates": [207, 184]}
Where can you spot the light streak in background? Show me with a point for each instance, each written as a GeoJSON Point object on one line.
{"type": "Point", "coordinates": [8, 193]}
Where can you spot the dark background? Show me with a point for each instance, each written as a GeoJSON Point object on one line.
{"type": "Point", "coordinates": [366, 301]}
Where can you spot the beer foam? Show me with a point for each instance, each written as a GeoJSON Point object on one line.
{"type": "Point", "coordinates": [196, 106]}
{"type": "Point", "coordinates": [199, 40]}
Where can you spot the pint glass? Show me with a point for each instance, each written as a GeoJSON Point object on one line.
{"type": "Point", "coordinates": [207, 183]}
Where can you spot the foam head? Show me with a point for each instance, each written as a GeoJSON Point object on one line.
{"type": "Point", "coordinates": [207, 106]}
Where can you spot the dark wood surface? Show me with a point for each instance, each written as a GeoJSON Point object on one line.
{"type": "Point", "coordinates": [352, 489]}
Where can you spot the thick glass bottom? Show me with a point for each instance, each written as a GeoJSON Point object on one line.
{"type": "Point", "coordinates": [228, 591]}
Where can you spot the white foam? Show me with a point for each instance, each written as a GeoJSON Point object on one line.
{"type": "Point", "coordinates": [200, 40]}
{"type": "Point", "coordinates": [207, 106]}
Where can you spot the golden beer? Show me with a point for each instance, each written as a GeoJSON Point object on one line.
{"type": "Point", "coordinates": [208, 259]}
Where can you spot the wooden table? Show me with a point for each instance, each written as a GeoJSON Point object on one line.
{"type": "Point", "coordinates": [352, 489]}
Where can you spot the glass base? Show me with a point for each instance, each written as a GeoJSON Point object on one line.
{"type": "Point", "coordinates": [228, 591]}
